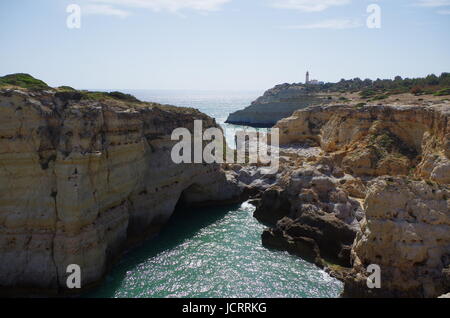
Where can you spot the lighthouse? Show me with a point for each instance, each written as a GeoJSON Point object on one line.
{"type": "Point", "coordinates": [307, 77]}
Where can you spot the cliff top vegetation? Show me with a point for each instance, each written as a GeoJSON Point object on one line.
{"type": "Point", "coordinates": [431, 84]}
{"type": "Point", "coordinates": [22, 80]}
{"type": "Point", "coordinates": [28, 82]}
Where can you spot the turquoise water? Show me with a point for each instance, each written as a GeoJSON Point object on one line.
{"type": "Point", "coordinates": [217, 104]}
{"type": "Point", "coordinates": [213, 252]}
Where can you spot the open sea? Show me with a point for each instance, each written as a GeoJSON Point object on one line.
{"type": "Point", "coordinates": [212, 252]}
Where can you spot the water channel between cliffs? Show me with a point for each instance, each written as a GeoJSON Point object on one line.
{"type": "Point", "coordinates": [214, 252]}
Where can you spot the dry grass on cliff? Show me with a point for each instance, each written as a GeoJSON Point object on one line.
{"type": "Point", "coordinates": [357, 99]}
{"type": "Point", "coordinates": [22, 81]}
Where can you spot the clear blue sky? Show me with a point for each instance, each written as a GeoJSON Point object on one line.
{"type": "Point", "coordinates": [221, 44]}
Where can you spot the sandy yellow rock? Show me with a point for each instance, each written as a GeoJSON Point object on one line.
{"type": "Point", "coordinates": [81, 178]}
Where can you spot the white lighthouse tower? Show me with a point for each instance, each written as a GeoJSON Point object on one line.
{"type": "Point", "coordinates": [307, 77]}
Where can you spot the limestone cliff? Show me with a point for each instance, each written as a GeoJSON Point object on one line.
{"type": "Point", "coordinates": [276, 103]}
{"type": "Point", "coordinates": [406, 231]}
{"type": "Point", "coordinates": [391, 159]}
{"type": "Point", "coordinates": [309, 207]}
{"type": "Point", "coordinates": [80, 178]}
{"type": "Point", "coordinates": [378, 140]}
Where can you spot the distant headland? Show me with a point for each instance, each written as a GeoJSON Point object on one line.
{"type": "Point", "coordinates": [282, 100]}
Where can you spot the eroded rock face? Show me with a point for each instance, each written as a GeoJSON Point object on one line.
{"type": "Point", "coordinates": [276, 103]}
{"type": "Point", "coordinates": [79, 179]}
{"type": "Point", "coordinates": [406, 232]}
{"type": "Point", "coordinates": [378, 140]}
{"type": "Point", "coordinates": [393, 159]}
{"type": "Point", "coordinates": [307, 204]}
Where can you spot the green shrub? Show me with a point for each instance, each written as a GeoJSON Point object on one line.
{"type": "Point", "coordinates": [380, 97]}
{"type": "Point", "coordinates": [93, 95]}
{"type": "Point", "coordinates": [124, 97]}
{"type": "Point", "coordinates": [367, 93]}
{"type": "Point", "coordinates": [22, 80]}
{"type": "Point", "coordinates": [443, 92]}
{"type": "Point", "coordinates": [112, 95]}
{"type": "Point", "coordinates": [385, 141]}
{"type": "Point", "coordinates": [66, 88]}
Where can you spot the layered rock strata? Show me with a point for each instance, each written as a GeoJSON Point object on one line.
{"type": "Point", "coordinates": [378, 140]}
{"type": "Point", "coordinates": [377, 193]}
{"type": "Point", "coordinates": [308, 207]}
{"type": "Point", "coordinates": [406, 231]}
{"type": "Point", "coordinates": [276, 103]}
{"type": "Point", "coordinates": [81, 178]}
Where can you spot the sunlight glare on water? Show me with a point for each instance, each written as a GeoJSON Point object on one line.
{"type": "Point", "coordinates": [214, 253]}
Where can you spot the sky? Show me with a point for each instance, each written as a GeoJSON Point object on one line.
{"type": "Point", "coordinates": [221, 44]}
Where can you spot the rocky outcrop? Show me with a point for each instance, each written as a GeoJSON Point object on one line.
{"type": "Point", "coordinates": [276, 103]}
{"type": "Point", "coordinates": [394, 161]}
{"type": "Point", "coordinates": [312, 216]}
{"type": "Point", "coordinates": [378, 140]}
{"type": "Point", "coordinates": [406, 231]}
{"type": "Point", "coordinates": [80, 179]}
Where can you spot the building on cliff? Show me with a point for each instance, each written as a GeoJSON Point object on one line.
{"type": "Point", "coordinates": [312, 82]}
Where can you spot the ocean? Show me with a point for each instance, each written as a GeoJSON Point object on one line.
{"type": "Point", "coordinates": [212, 252]}
{"type": "Point", "coordinates": [217, 104]}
